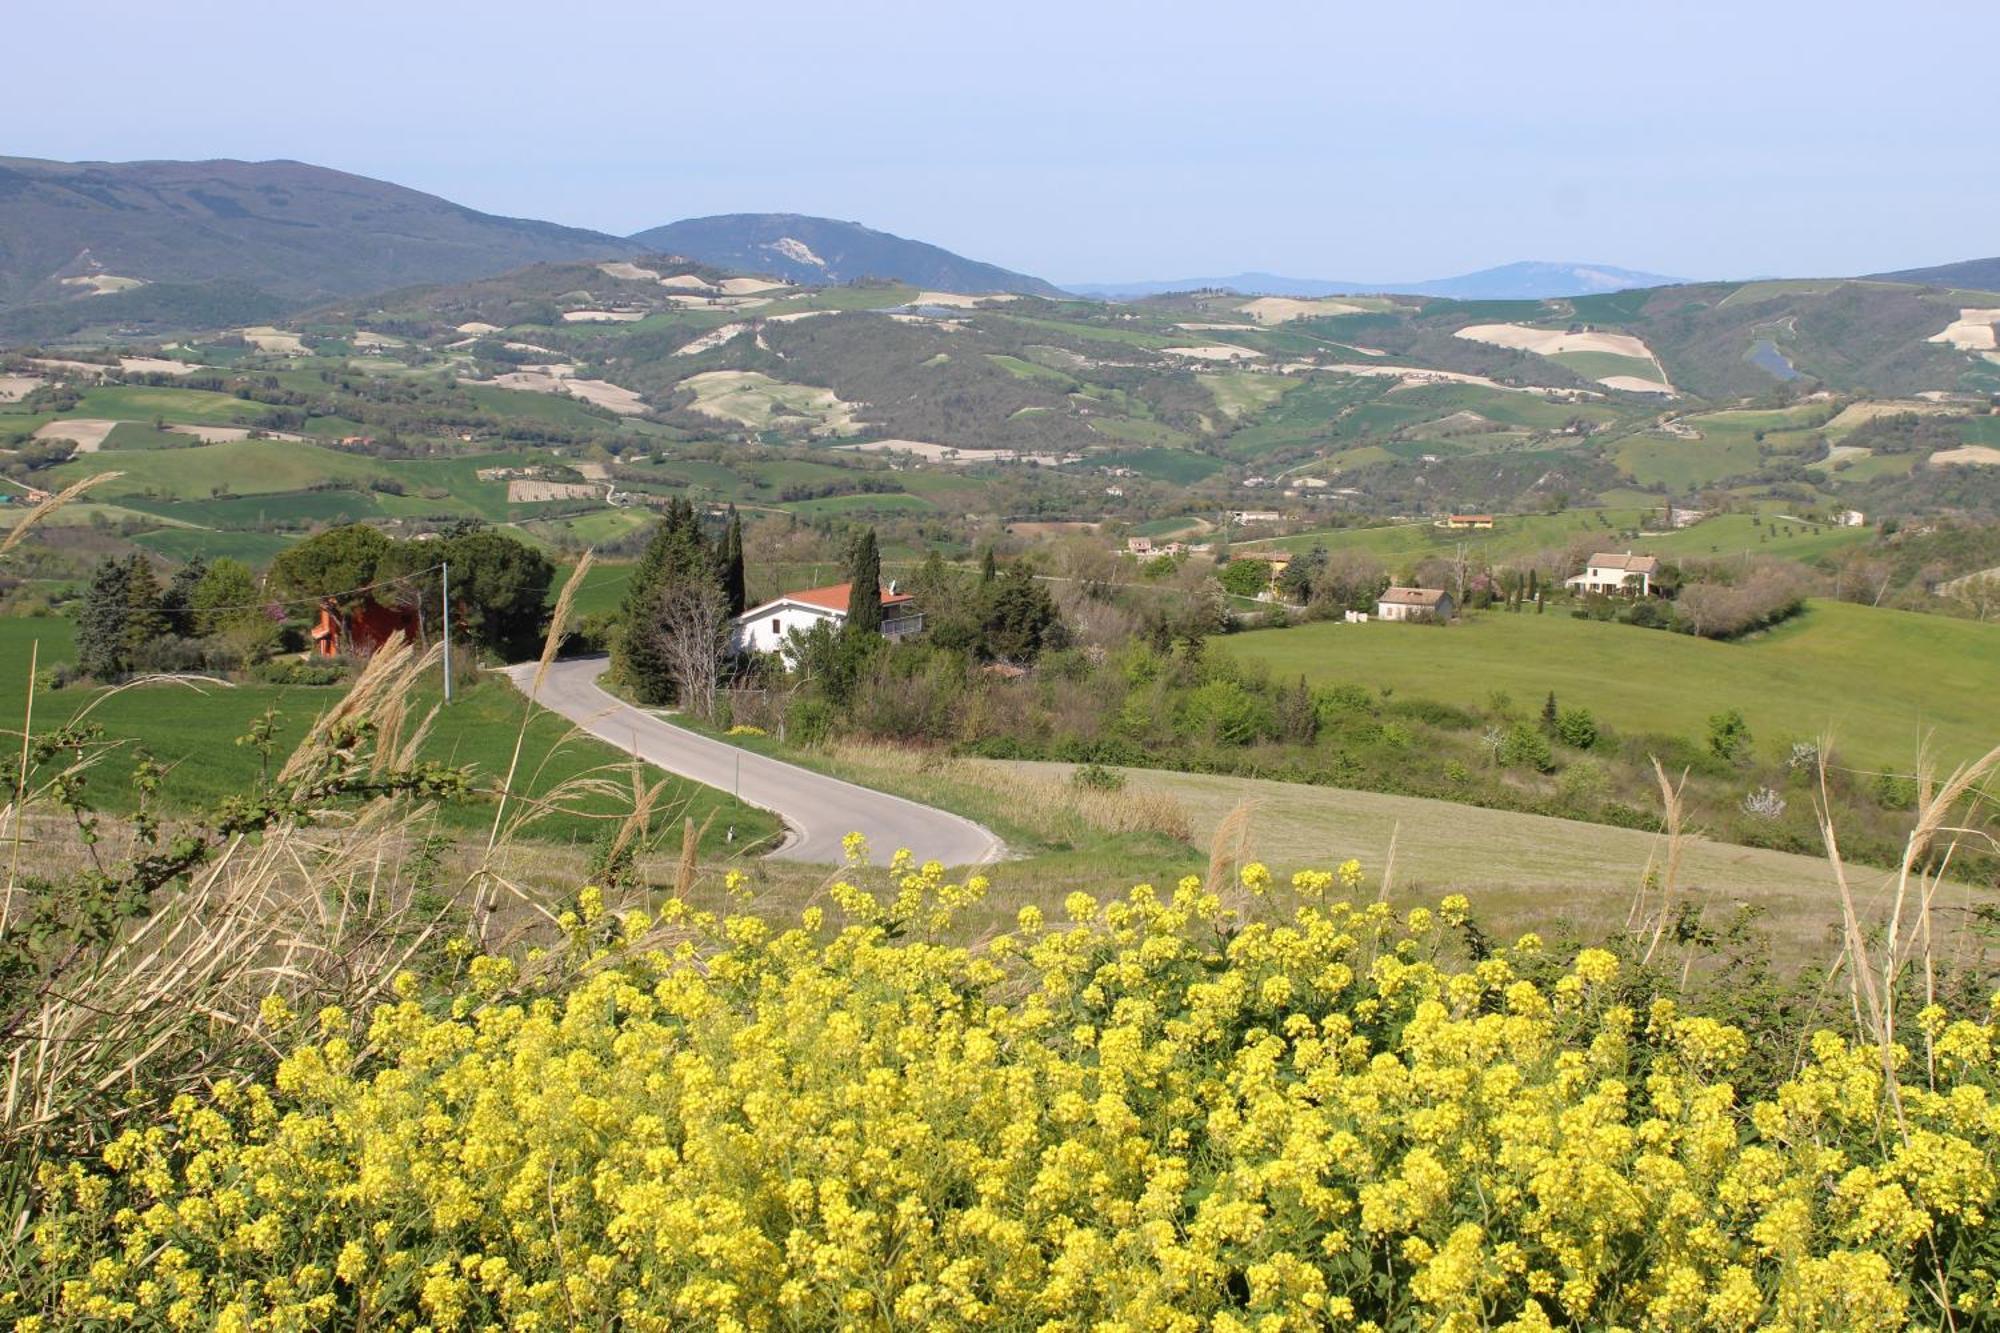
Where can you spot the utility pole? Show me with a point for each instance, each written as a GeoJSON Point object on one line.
{"type": "Point", "coordinates": [445, 585]}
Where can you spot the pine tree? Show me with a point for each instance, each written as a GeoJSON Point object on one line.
{"type": "Point", "coordinates": [1534, 593]}
{"type": "Point", "coordinates": [1549, 713]}
{"type": "Point", "coordinates": [864, 593]}
{"type": "Point", "coordinates": [100, 629]}
{"type": "Point", "coordinates": [677, 554]}
{"type": "Point", "coordinates": [734, 588]}
{"type": "Point", "coordinates": [177, 602]}
{"type": "Point", "coordinates": [989, 567]}
{"type": "Point", "coordinates": [144, 621]}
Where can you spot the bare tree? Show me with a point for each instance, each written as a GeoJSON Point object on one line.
{"type": "Point", "coordinates": [687, 628]}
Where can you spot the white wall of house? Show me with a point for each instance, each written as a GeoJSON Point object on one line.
{"type": "Point", "coordinates": [1598, 578]}
{"type": "Point", "coordinates": [765, 630]}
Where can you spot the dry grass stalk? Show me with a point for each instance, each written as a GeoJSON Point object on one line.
{"type": "Point", "coordinates": [1671, 814]}
{"type": "Point", "coordinates": [1389, 862]}
{"type": "Point", "coordinates": [48, 506]}
{"type": "Point", "coordinates": [1225, 857]}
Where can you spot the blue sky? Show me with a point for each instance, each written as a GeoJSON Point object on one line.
{"type": "Point", "coordinates": [1102, 141]}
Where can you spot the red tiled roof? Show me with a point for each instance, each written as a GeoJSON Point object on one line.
{"type": "Point", "coordinates": [833, 597]}
{"type": "Point", "coordinates": [1633, 564]}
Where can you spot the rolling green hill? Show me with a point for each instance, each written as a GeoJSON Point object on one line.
{"type": "Point", "coordinates": [1880, 681]}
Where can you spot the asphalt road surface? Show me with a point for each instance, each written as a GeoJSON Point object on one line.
{"type": "Point", "coordinates": [818, 810]}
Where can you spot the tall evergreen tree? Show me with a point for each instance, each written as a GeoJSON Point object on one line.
{"type": "Point", "coordinates": [177, 602]}
{"type": "Point", "coordinates": [734, 585]}
{"type": "Point", "coordinates": [989, 566]}
{"type": "Point", "coordinates": [678, 554]}
{"type": "Point", "coordinates": [864, 593]}
{"type": "Point", "coordinates": [144, 621]}
{"type": "Point", "coordinates": [100, 629]}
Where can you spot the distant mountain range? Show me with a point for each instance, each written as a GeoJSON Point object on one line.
{"type": "Point", "coordinates": [160, 245]}
{"type": "Point", "coordinates": [138, 247]}
{"type": "Point", "coordinates": [821, 251]}
{"type": "Point", "coordinates": [1528, 280]}
{"type": "Point", "coordinates": [299, 232]}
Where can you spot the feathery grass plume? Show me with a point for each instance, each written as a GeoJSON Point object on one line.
{"type": "Point", "coordinates": [50, 505]}
{"type": "Point", "coordinates": [1389, 862]}
{"type": "Point", "coordinates": [551, 641]}
{"type": "Point", "coordinates": [1862, 988]}
{"type": "Point", "coordinates": [690, 851]}
{"type": "Point", "coordinates": [1935, 804]}
{"type": "Point", "coordinates": [169, 999]}
{"type": "Point", "coordinates": [1225, 854]}
{"type": "Point", "coordinates": [1672, 809]}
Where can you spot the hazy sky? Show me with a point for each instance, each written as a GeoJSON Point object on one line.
{"type": "Point", "coordinates": [1089, 141]}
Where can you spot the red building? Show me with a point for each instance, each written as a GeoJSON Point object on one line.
{"type": "Point", "coordinates": [361, 631]}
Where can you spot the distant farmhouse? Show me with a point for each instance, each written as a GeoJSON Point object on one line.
{"type": "Point", "coordinates": [1277, 562]}
{"type": "Point", "coordinates": [763, 629]}
{"type": "Point", "coordinates": [1415, 604]}
{"type": "Point", "coordinates": [1468, 520]}
{"type": "Point", "coordinates": [1611, 573]}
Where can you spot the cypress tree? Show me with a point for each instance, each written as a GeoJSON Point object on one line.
{"type": "Point", "coordinates": [989, 567]}
{"type": "Point", "coordinates": [144, 621]}
{"type": "Point", "coordinates": [864, 593]}
{"type": "Point", "coordinates": [100, 629]}
{"type": "Point", "coordinates": [733, 582]}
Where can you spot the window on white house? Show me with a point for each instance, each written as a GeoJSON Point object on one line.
{"type": "Point", "coordinates": [777, 624]}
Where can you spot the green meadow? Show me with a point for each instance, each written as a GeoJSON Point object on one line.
{"type": "Point", "coordinates": [191, 728]}
{"type": "Point", "coordinates": [1879, 681]}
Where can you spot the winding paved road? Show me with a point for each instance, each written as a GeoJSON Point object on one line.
{"type": "Point", "coordinates": [818, 810]}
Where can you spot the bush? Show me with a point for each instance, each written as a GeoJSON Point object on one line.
{"type": "Point", "coordinates": [664, 1129]}
{"type": "Point", "coordinates": [1576, 728]}
{"type": "Point", "coordinates": [1096, 777]}
{"type": "Point", "coordinates": [1582, 785]}
{"type": "Point", "coordinates": [1524, 746]}
{"type": "Point", "coordinates": [292, 671]}
{"type": "Point", "coordinates": [809, 721]}
{"type": "Point", "coordinates": [1225, 711]}
{"type": "Point", "coordinates": [1729, 736]}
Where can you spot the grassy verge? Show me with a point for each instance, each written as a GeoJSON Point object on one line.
{"type": "Point", "coordinates": [1526, 872]}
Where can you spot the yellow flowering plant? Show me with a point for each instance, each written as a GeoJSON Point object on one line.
{"type": "Point", "coordinates": [1146, 1112]}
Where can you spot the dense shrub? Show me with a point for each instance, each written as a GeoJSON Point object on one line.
{"type": "Point", "coordinates": [1160, 1112]}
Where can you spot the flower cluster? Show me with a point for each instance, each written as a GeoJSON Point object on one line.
{"type": "Point", "coordinates": [1155, 1113]}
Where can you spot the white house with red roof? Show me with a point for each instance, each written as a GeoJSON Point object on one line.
{"type": "Point", "coordinates": [764, 629]}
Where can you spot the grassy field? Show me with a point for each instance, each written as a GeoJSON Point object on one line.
{"type": "Point", "coordinates": [256, 549]}
{"type": "Point", "coordinates": [1880, 680]}
{"type": "Point", "coordinates": [1743, 534]}
{"type": "Point", "coordinates": [192, 729]}
{"type": "Point", "coordinates": [1513, 535]}
{"type": "Point", "coordinates": [1522, 872]}
{"type": "Point", "coordinates": [1653, 459]}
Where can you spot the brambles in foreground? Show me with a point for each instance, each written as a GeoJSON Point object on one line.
{"type": "Point", "coordinates": [1230, 1105]}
